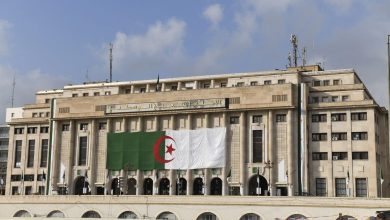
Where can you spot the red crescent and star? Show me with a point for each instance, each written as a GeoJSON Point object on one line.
{"type": "Point", "coordinates": [156, 149]}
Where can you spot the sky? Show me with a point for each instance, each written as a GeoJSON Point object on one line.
{"type": "Point", "coordinates": [46, 44]}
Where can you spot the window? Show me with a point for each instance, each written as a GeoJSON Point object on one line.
{"type": "Point", "coordinates": [360, 155]}
{"type": "Point", "coordinates": [102, 125]}
{"type": "Point", "coordinates": [318, 118]}
{"type": "Point", "coordinates": [18, 153]}
{"type": "Point", "coordinates": [47, 114]}
{"type": "Point", "coordinates": [339, 136]}
{"type": "Point", "coordinates": [341, 187]}
{"type": "Point", "coordinates": [345, 98]}
{"type": "Point", "coordinates": [317, 83]}
{"type": "Point", "coordinates": [98, 93]}
{"type": "Point", "coordinates": [254, 83]}
{"type": "Point", "coordinates": [240, 84]}
{"type": "Point", "coordinates": [319, 137]}
{"type": "Point", "coordinates": [15, 190]}
{"type": "Point", "coordinates": [85, 94]}
{"type": "Point", "coordinates": [174, 88]}
{"type": "Point", "coordinates": [339, 117]}
{"type": "Point", "coordinates": [83, 151]}
{"type": "Point", "coordinates": [280, 117]}
{"type": "Point", "coordinates": [45, 130]}
{"type": "Point", "coordinates": [65, 127]}
{"type": "Point", "coordinates": [320, 156]}
{"type": "Point", "coordinates": [361, 187]}
{"type": "Point", "coordinates": [16, 178]}
{"type": "Point", "coordinates": [41, 114]}
{"type": "Point", "coordinates": [326, 82]}
{"type": "Point", "coordinates": [35, 115]}
{"type": "Point", "coordinates": [336, 82]}
{"type": "Point", "coordinates": [206, 85]}
{"type": "Point", "coordinates": [107, 93]}
{"type": "Point", "coordinates": [41, 190]}
{"type": "Point", "coordinates": [234, 120]}
{"type": "Point", "coordinates": [335, 98]}
{"type": "Point", "coordinates": [83, 126]}
{"type": "Point", "coordinates": [44, 150]}
{"type": "Point", "coordinates": [19, 130]}
{"type": "Point", "coordinates": [281, 81]}
{"type": "Point", "coordinates": [75, 95]}
{"type": "Point", "coordinates": [257, 119]}
{"type": "Point", "coordinates": [223, 84]}
{"type": "Point", "coordinates": [142, 90]}
{"type": "Point", "coordinates": [325, 99]}
{"type": "Point", "coordinates": [359, 116]}
{"type": "Point", "coordinates": [339, 155]}
{"type": "Point", "coordinates": [47, 101]}
{"type": "Point", "coordinates": [31, 151]}
{"type": "Point", "coordinates": [28, 190]}
{"type": "Point", "coordinates": [32, 130]}
{"type": "Point", "coordinates": [257, 146]}
{"type": "Point", "coordinates": [359, 136]}
{"type": "Point", "coordinates": [28, 177]}
{"type": "Point", "coordinates": [279, 98]}
{"type": "Point", "coordinates": [320, 186]}
{"type": "Point", "coordinates": [267, 82]}
{"type": "Point", "coordinates": [314, 99]}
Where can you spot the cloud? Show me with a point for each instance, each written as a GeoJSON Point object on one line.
{"type": "Point", "coordinates": [4, 26]}
{"type": "Point", "coordinates": [214, 13]}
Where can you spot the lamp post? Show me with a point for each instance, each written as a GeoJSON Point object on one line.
{"type": "Point", "coordinates": [268, 165]}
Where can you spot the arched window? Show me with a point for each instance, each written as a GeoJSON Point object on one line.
{"type": "Point", "coordinates": [198, 186]}
{"type": "Point", "coordinates": [56, 214]}
{"type": "Point", "coordinates": [148, 186]}
{"type": "Point", "coordinates": [128, 215]}
{"type": "Point", "coordinates": [181, 187]}
{"type": "Point", "coordinates": [207, 216]}
{"type": "Point", "coordinates": [163, 188]}
{"type": "Point", "coordinates": [216, 186]}
{"type": "Point", "coordinates": [131, 186]}
{"type": "Point", "coordinates": [296, 217]}
{"type": "Point", "coordinates": [91, 214]}
{"type": "Point", "coordinates": [115, 189]}
{"type": "Point", "coordinates": [250, 216]}
{"type": "Point", "coordinates": [167, 216]}
{"type": "Point", "coordinates": [257, 186]}
{"type": "Point", "coordinates": [22, 213]}
{"type": "Point", "coordinates": [81, 186]}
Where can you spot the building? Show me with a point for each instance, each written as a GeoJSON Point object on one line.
{"type": "Point", "coordinates": [3, 156]}
{"type": "Point", "coordinates": [300, 131]}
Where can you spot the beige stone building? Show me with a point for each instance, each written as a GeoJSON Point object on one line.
{"type": "Point", "coordinates": [300, 131]}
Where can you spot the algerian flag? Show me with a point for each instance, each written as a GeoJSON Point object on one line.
{"type": "Point", "coordinates": [172, 149]}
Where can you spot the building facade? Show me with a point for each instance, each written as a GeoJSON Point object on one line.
{"type": "Point", "coordinates": [3, 156]}
{"type": "Point", "coordinates": [300, 131]}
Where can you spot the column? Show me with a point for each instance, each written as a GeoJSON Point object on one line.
{"type": "Point", "coordinates": [172, 178]}
{"type": "Point", "coordinates": [290, 153]}
{"type": "Point", "coordinates": [132, 89]}
{"type": "Point", "coordinates": [179, 85]}
{"type": "Point", "coordinates": [11, 157]}
{"type": "Point", "coordinates": [225, 186]}
{"type": "Point", "coordinates": [155, 172]}
{"type": "Point", "coordinates": [162, 87]}
{"type": "Point", "coordinates": [206, 173]}
{"type": "Point", "coordinates": [271, 149]}
{"type": "Point", "coordinates": [72, 148]}
{"type": "Point", "coordinates": [92, 156]}
{"type": "Point", "coordinates": [148, 87]}
{"type": "Point", "coordinates": [242, 153]}
{"type": "Point", "coordinates": [212, 84]}
{"type": "Point", "coordinates": [55, 160]}
{"type": "Point", "coordinates": [189, 172]}
{"type": "Point", "coordinates": [107, 180]}
{"type": "Point", "coordinates": [139, 172]}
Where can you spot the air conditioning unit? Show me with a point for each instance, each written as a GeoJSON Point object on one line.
{"type": "Point", "coordinates": [335, 157]}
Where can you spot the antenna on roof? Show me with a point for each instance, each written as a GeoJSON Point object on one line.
{"type": "Point", "coordinates": [111, 46]}
{"type": "Point", "coordinates": [13, 92]}
{"type": "Point", "coordinates": [294, 43]}
{"type": "Point", "coordinates": [304, 56]}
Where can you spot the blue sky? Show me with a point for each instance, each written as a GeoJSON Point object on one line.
{"type": "Point", "coordinates": [47, 44]}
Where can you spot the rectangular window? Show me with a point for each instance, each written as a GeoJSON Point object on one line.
{"type": "Point", "coordinates": [359, 136]}
{"type": "Point", "coordinates": [31, 152]}
{"type": "Point", "coordinates": [44, 150]}
{"type": "Point", "coordinates": [326, 82]}
{"type": "Point", "coordinates": [280, 117]}
{"type": "Point", "coordinates": [19, 130]}
{"type": "Point", "coordinates": [361, 187]}
{"type": "Point", "coordinates": [319, 137]}
{"type": "Point", "coordinates": [234, 120]}
{"type": "Point", "coordinates": [359, 116]}
{"type": "Point", "coordinates": [281, 81]}
{"type": "Point", "coordinates": [339, 117]}
{"type": "Point", "coordinates": [317, 83]}
{"type": "Point", "coordinates": [75, 95]}
{"type": "Point", "coordinates": [254, 83]}
{"type": "Point", "coordinates": [98, 93]}
{"type": "Point", "coordinates": [44, 130]}
{"type": "Point", "coordinates": [28, 177]}
{"type": "Point", "coordinates": [142, 90]}
{"type": "Point", "coordinates": [336, 82]}
{"type": "Point", "coordinates": [318, 118]}
{"type": "Point", "coordinates": [320, 156]}
{"type": "Point", "coordinates": [267, 82]}
{"type": "Point", "coordinates": [28, 190]}
{"type": "Point", "coordinates": [35, 115]}
{"type": "Point", "coordinates": [32, 130]}
{"type": "Point", "coordinates": [206, 85]}
{"type": "Point", "coordinates": [16, 178]}
{"type": "Point", "coordinates": [173, 88]}
{"type": "Point", "coordinates": [345, 98]}
{"type": "Point", "coordinates": [15, 190]}
{"type": "Point", "coordinates": [47, 101]}
{"type": "Point", "coordinates": [18, 153]}
{"type": "Point", "coordinates": [360, 155]}
{"type": "Point", "coordinates": [65, 127]}
{"type": "Point", "coordinates": [339, 155]}
{"type": "Point", "coordinates": [223, 84]}
{"type": "Point", "coordinates": [64, 110]}
{"type": "Point", "coordinates": [341, 187]}
{"type": "Point", "coordinates": [102, 125]}
{"type": "Point", "coordinates": [83, 126]}
{"type": "Point", "coordinates": [240, 84]}
{"type": "Point", "coordinates": [85, 94]}
{"type": "Point", "coordinates": [107, 93]}
{"type": "Point", "coordinates": [335, 98]}
{"type": "Point", "coordinates": [257, 119]}
{"type": "Point", "coordinates": [314, 99]}
{"type": "Point", "coordinates": [41, 190]}
{"type": "Point", "coordinates": [339, 136]}
{"type": "Point", "coordinates": [257, 148]}
{"type": "Point", "coordinates": [83, 151]}
{"type": "Point", "coordinates": [325, 99]}
{"type": "Point", "coordinates": [320, 186]}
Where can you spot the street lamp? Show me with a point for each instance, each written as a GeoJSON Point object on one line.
{"type": "Point", "coordinates": [268, 165]}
